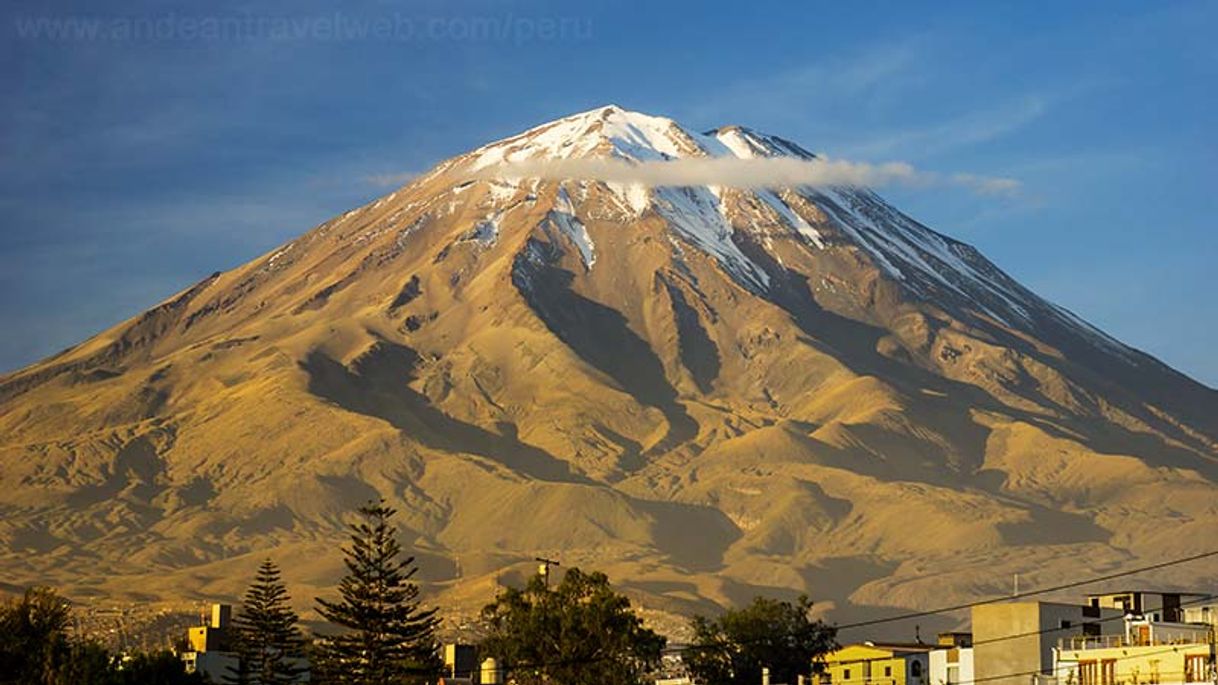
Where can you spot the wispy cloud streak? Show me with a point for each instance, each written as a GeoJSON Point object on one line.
{"type": "Point", "coordinates": [768, 172]}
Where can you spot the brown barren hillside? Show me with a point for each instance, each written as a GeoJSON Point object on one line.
{"type": "Point", "coordinates": [710, 393]}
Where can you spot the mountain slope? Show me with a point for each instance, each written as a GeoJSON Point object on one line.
{"type": "Point", "coordinates": [709, 392]}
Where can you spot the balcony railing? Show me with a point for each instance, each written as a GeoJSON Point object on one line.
{"type": "Point", "coordinates": [1081, 642]}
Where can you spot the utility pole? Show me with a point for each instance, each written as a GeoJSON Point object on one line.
{"type": "Point", "coordinates": [1213, 655]}
{"type": "Point", "coordinates": [544, 569]}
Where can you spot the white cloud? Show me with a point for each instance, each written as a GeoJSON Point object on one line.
{"type": "Point", "coordinates": [734, 172]}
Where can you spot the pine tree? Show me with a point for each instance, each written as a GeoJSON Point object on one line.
{"type": "Point", "coordinates": [389, 637]}
{"type": "Point", "coordinates": [268, 639]}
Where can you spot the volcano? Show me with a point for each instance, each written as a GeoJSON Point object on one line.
{"type": "Point", "coordinates": [708, 392]}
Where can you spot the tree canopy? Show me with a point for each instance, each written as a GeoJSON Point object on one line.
{"type": "Point", "coordinates": [579, 632]}
{"type": "Point", "coordinates": [735, 646]}
{"type": "Point", "coordinates": [36, 649]}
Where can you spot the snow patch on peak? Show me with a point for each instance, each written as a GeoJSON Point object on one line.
{"type": "Point", "coordinates": [563, 218]}
{"type": "Point", "coordinates": [746, 143]}
{"type": "Point", "coordinates": [696, 214]}
{"type": "Point", "coordinates": [793, 219]}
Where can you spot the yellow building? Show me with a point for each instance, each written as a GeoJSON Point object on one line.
{"type": "Point", "coordinates": [872, 663]}
{"type": "Point", "coordinates": [1117, 661]}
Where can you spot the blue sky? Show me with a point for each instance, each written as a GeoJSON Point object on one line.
{"type": "Point", "coordinates": [136, 161]}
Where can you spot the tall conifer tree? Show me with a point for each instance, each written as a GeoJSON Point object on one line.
{"type": "Point", "coordinates": [388, 638]}
{"type": "Point", "coordinates": [268, 639]}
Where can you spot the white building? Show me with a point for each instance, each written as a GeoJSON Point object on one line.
{"type": "Point", "coordinates": [951, 662]}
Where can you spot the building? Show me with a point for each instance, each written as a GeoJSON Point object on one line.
{"type": "Point", "coordinates": [1114, 660]}
{"type": "Point", "coordinates": [873, 663]}
{"type": "Point", "coordinates": [1143, 631]}
{"type": "Point", "coordinates": [1167, 607]}
{"type": "Point", "coordinates": [214, 635]}
{"type": "Point", "coordinates": [1016, 640]}
{"type": "Point", "coordinates": [1202, 611]}
{"type": "Point", "coordinates": [209, 645]}
{"type": "Point", "coordinates": [1160, 643]}
{"type": "Point", "coordinates": [951, 661]}
{"type": "Point", "coordinates": [460, 661]}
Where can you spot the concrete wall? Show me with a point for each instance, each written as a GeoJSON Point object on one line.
{"type": "Point", "coordinates": [1040, 625]}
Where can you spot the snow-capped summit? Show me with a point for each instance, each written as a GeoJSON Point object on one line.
{"type": "Point", "coordinates": [924, 263]}
{"type": "Point", "coordinates": [604, 131]}
{"type": "Point", "coordinates": [611, 131]}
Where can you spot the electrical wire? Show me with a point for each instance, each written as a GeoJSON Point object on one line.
{"type": "Point", "coordinates": [1032, 593]}
{"type": "Point", "coordinates": [947, 609]}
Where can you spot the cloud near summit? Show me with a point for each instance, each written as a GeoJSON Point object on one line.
{"type": "Point", "coordinates": [764, 172]}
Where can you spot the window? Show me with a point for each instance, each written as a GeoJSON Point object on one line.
{"type": "Point", "coordinates": [1088, 673]}
{"type": "Point", "coordinates": [1064, 625]}
{"type": "Point", "coordinates": [888, 671]}
{"type": "Point", "coordinates": [845, 674]}
{"type": "Point", "coordinates": [1091, 629]}
{"type": "Point", "coordinates": [915, 669]}
{"type": "Point", "coordinates": [1195, 667]}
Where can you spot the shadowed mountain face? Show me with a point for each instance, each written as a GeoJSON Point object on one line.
{"type": "Point", "coordinates": [709, 393]}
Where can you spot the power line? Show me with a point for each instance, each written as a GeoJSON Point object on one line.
{"type": "Point", "coordinates": [1043, 631]}
{"type": "Point", "coordinates": [1173, 649]}
{"type": "Point", "coordinates": [1031, 593]}
{"type": "Point", "coordinates": [902, 617]}
{"type": "Point", "coordinates": [1033, 633]}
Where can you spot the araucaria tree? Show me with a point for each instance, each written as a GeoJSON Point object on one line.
{"type": "Point", "coordinates": [781, 636]}
{"type": "Point", "coordinates": [388, 638]}
{"type": "Point", "coordinates": [268, 638]}
{"type": "Point", "coordinates": [581, 632]}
